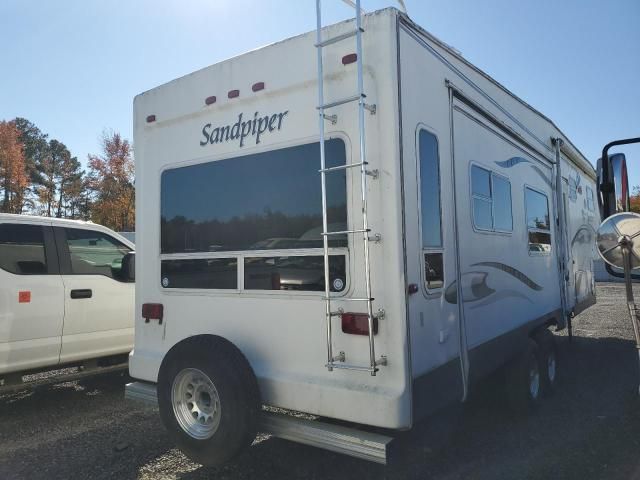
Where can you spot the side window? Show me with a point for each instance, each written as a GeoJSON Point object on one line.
{"type": "Point", "coordinates": [590, 204]}
{"type": "Point", "coordinates": [431, 221]}
{"type": "Point", "coordinates": [22, 249]}
{"type": "Point", "coordinates": [538, 222]}
{"type": "Point", "coordinates": [94, 253]}
{"type": "Point", "coordinates": [491, 200]}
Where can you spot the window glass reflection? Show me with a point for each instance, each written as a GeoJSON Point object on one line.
{"type": "Point", "coordinates": [294, 273]}
{"type": "Point", "coordinates": [212, 273]}
{"type": "Point", "coordinates": [265, 201]}
{"type": "Point", "coordinates": [430, 190]}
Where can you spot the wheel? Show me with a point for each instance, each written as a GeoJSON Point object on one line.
{"type": "Point", "coordinates": [524, 390]}
{"type": "Point", "coordinates": [209, 400]}
{"type": "Point", "coordinates": [548, 360]}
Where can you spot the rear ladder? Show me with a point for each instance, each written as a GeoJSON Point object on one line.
{"type": "Point", "coordinates": [338, 361]}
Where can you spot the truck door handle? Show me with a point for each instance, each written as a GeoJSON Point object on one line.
{"type": "Point", "coordinates": [81, 293]}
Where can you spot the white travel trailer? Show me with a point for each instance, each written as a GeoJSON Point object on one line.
{"type": "Point", "coordinates": [361, 235]}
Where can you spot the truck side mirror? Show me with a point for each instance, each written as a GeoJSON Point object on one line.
{"type": "Point", "coordinates": [613, 185]}
{"type": "Point", "coordinates": [128, 271]}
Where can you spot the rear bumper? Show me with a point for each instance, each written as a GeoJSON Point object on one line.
{"type": "Point", "coordinates": [145, 392]}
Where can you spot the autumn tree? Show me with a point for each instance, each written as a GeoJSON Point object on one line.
{"type": "Point", "coordinates": [635, 200]}
{"type": "Point", "coordinates": [36, 149]}
{"type": "Point", "coordinates": [111, 182]}
{"type": "Point", "coordinates": [13, 176]}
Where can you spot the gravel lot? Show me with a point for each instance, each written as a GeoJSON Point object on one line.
{"type": "Point", "coordinates": [588, 429]}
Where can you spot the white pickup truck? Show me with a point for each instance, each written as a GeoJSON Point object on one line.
{"type": "Point", "coordinates": [66, 299]}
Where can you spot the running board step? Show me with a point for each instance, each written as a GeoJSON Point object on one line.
{"type": "Point", "coordinates": [54, 379]}
{"type": "Point", "coordinates": [349, 441]}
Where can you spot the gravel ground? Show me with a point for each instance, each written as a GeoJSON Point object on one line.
{"type": "Point", "coordinates": [587, 429]}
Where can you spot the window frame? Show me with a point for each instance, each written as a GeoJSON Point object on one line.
{"type": "Point", "coordinates": [50, 250]}
{"type": "Point", "coordinates": [491, 200]}
{"type": "Point", "coordinates": [240, 255]}
{"type": "Point", "coordinates": [537, 230]}
{"type": "Point", "coordinates": [65, 255]}
{"type": "Point", "coordinates": [424, 251]}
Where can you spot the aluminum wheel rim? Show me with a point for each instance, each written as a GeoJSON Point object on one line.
{"type": "Point", "coordinates": [196, 403]}
{"type": "Point", "coordinates": [551, 367]}
{"type": "Point", "coordinates": [534, 380]}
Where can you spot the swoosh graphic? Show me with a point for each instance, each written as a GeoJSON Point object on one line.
{"type": "Point", "coordinates": [511, 271]}
{"type": "Point", "coordinates": [475, 290]}
{"type": "Point", "coordinates": [513, 161]}
{"type": "Point", "coordinates": [501, 295]}
{"type": "Point", "coordinates": [583, 235]}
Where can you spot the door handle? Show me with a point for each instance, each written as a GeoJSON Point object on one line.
{"type": "Point", "coordinates": [81, 293]}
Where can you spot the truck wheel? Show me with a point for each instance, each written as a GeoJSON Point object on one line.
{"type": "Point", "coordinates": [548, 360]}
{"type": "Point", "coordinates": [209, 400]}
{"type": "Point", "coordinates": [524, 380]}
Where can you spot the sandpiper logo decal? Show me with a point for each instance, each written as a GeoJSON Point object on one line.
{"type": "Point", "coordinates": [241, 130]}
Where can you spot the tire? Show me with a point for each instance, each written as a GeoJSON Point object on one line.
{"type": "Point", "coordinates": [548, 361]}
{"type": "Point", "coordinates": [209, 400]}
{"type": "Point", "coordinates": [524, 391]}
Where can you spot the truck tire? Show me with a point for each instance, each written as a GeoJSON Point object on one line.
{"type": "Point", "coordinates": [523, 380]}
{"type": "Point", "coordinates": [548, 360]}
{"type": "Point", "coordinates": [209, 400]}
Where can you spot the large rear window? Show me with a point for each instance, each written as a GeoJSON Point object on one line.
{"type": "Point", "coordinates": [264, 201]}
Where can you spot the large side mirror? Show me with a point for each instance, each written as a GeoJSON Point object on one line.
{"type": "Point", "coordinates": [613, 185]}
{"type": "Point", "coordinates": [128, 271]}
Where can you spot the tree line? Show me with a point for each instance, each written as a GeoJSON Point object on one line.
{"type": "Point", "coordinates": [40, 176]}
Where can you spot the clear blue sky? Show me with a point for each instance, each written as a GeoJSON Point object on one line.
{"type": "Point", "coordinates": [73, 66]}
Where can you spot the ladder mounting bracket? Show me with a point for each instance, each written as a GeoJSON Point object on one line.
{"type": "Point", "coordinates": [371, 107]}
{"type": "Point", "coordinates": [375, 173]}
{"type": "Point", "coordinates": [332, 118]}
{"type": "Point", "coordinates": [341, 357]}
{"type": "Point", "coordinates": [375, 238]}
{"type": "Point", "coordinates": [382, 361]}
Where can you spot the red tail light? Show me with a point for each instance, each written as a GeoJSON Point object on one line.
{"type": "Point", "coordinates": [152, 311]}
{"type": "Point", "coordinates": [210, 100]}
{"type": "Point", "coordinates": [233, 93]}
{"type": "Point", "coordinates": [258, 86]}
{"type": "Point", "coordinates": [351, 58]}
{"type": "Point", "coordinates": [358, 324]}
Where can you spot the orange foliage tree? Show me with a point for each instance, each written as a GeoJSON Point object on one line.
{"type": "Point", "coordinates": [111, 181]}
{"type": "Point", "coordinates": [635, 200]}
{"type": "Point", "coordinates": [13, 176]}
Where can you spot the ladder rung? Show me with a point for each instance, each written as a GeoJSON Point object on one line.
{"type": "Point", "coordinates": [344, 167]}
{"type": "Point", "coordinates": [338, 38]}
{"type": "Point", "coordinates": [345, 232]}
{"type": "Point", "coordinates": [353, 98]}
{"type": "Point", "coordinates": [346, 366]}
{"type": "Point", "coordinates": [342, 299]}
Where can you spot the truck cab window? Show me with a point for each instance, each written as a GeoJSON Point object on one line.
{"type": "Point", "coordinates": [430, 212]}
{"type": "Point", "coordinates": [22, 249]}
{"type": "Point", "coordinates": [538, 224]}
{"type": "Point", "coordinates": [94, 253]}
{"type": "Point", "coordinates": [491, 200]}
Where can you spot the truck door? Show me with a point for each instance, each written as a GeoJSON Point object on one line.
{"type": "Point", "coordinates": [430, 264]}
{"type": "Point", "coordinates": [31, 297]}
{"type": "Point", "coordinates": [99, 304]}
